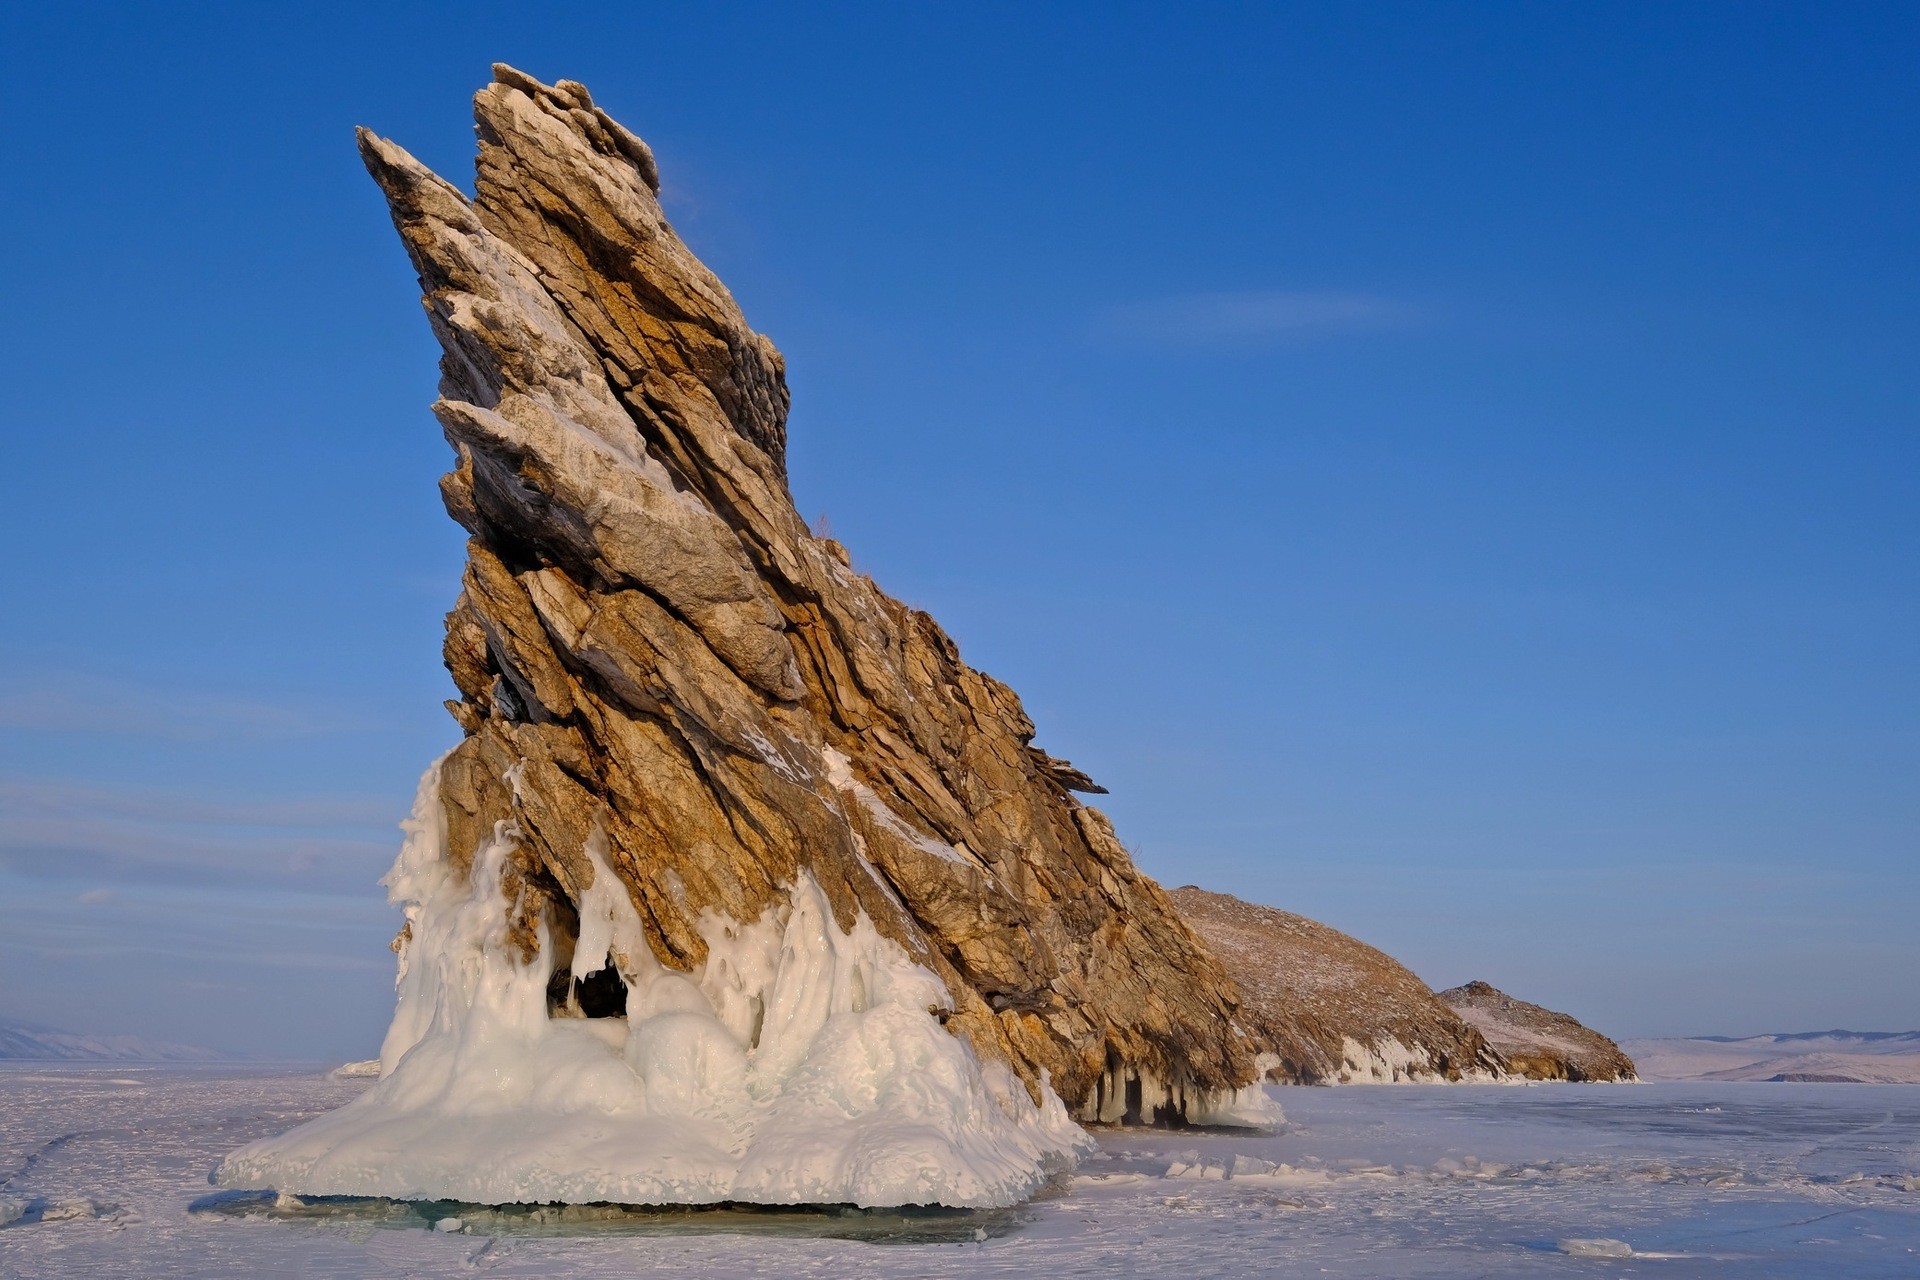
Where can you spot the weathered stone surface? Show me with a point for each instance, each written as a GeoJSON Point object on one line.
{"type": "Point", "coordinates": [1326, 1008]}
{"type": "Point", "coordinates": [1539, 1043]}
{"type": "Point", "coordinates": [650, 645]}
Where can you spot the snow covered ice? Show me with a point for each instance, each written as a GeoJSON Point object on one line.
{"type": "Point", "coordinates": [802, 1064]}
{"type": "Point", "coordinates": [1744, 1181]}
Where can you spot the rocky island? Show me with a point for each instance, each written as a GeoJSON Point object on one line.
{"type": "Point", "coordinates": [723, 809]}
{"type": "Point", "coordinates": [741, 885]}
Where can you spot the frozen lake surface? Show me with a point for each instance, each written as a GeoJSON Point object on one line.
{"type": "Point", "coordinates": [103, 1171]}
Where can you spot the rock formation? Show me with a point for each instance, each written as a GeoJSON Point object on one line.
{"type": "Point", "coordinates": [1538, 1043]}
{"type": "Point", "coordinates": [657, 660]}
{"type": "Point", "coordinates": [1325, 1008]}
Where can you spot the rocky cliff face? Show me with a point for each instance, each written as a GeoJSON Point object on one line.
{"type": "Point", "coordinates": [1539, 1043]}
{"type": "Point", "coordinates": [661, 671]}
{"type": "Point", "coordinates": [1325, 1008]}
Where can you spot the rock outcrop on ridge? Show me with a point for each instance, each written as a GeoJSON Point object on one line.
{"type": "Point", "coordinates": [1538, 1043]}
{"type": "Point", "coordinates": [1326, 1008]}
{"type": "Point", "coordinates": [652, 650]}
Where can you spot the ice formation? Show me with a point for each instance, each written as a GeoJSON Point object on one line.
{"type": "Point", "coordinates": [801, 1064]}
{"type": "Point", "coordinates": [1126, 1095]}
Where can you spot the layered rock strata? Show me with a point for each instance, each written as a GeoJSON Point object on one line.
{"type": "Point", "coordinates": [657, 661]}
{"type": "Point", "coordinates": [1326, 1008]}
{"type": "Point", "coordinates": [1536, 1042]}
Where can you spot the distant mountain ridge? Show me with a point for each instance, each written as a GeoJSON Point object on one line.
{"type": "Point", "coordinates": [1785, 1037]}
{"type": "Point", "coordinates": [28, 1042]}
{"type": "Point", "coordinates": [1825, 1057]}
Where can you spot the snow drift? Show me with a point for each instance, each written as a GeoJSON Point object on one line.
{"type": "Point", "coordinates": [802, 1064]}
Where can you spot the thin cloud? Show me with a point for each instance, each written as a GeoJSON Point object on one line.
{"type": "Point", "coordinates": [233, 931]}
{"type": "Point", "coordinates": [42, 797]}
{"type": "Point", "coordinates": [55, 702]}
{"type": "Point", "coordinates": [81, 850]}
{"type": "Point", "coordinates": [57, 830]}
{"type": "Point", "coordinates": [1259, 317]}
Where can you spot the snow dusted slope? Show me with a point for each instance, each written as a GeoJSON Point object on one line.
{"type": "Point", "coordinates": [798, 1065]}
{"type": "Point", "coordinates": [1326, 1008]}
{"type": "Point", "coordinates": [1538, 1042]}
{"type": "Point", "coordinates": [1862, 1057]}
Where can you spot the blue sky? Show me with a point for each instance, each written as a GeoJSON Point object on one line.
{"type": "Point", "coordinates": [1451, 470]}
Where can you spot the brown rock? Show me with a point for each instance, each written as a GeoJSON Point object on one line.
{"type": "Point", "coordinates": [1539, 1043]}
{"type": "Point", "coordinates": [649, 643]}
{"type": "Point", "coordinates": [1326, 1008]}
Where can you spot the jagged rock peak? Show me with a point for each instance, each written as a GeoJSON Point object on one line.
{"type": "Point", "coordinates": [656, 658]}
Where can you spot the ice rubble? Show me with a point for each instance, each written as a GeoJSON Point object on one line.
{"type": "Point", "coordinates": [800, 1065]}
{"type": "Point", "coordinates": [1596, 1247]}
